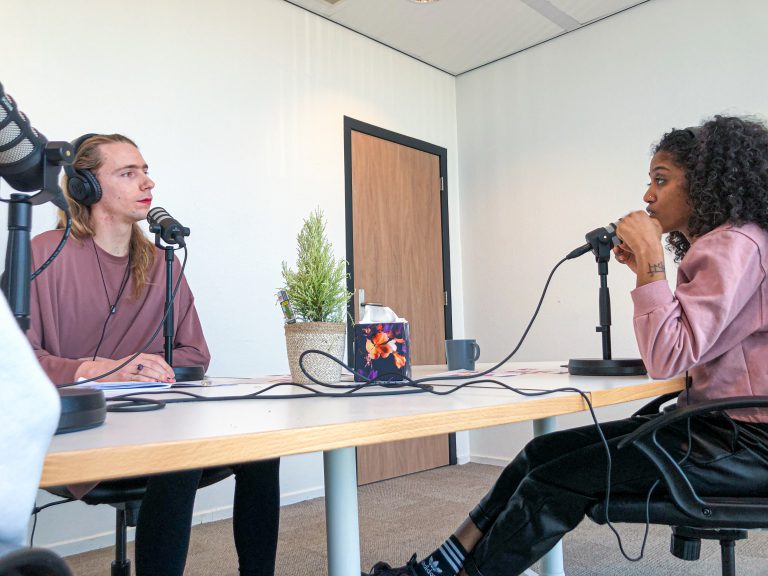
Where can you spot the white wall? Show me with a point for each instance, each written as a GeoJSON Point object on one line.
{"type": "Point", "coordinates": [238, 106]}
{"type": "Point", "coordinates": [556, 141]}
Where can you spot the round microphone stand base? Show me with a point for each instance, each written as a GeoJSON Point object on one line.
{"type": "Point", "coordinates": [188, 373]}
{"type": "Point", "coordinates": [614, 367]}
{"type": "Point", "coordinates": [81, 408]}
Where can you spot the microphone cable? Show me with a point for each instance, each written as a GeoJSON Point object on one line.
{"type": "Point", "coordinates": [133, 402]}
{"type": "Point", "coordinates": [138, 402]}
{"type": "Point", "coordinates": [37, 509]}
{"type": "Point", "coordinates": [59, 248]}
{"type": "Point", "coordinates": [420, 382]}
{"type": "Point", "coordinates": [412, 382]}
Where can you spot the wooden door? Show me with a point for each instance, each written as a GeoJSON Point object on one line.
{"type": "Point", "coordinates": [398, 231]}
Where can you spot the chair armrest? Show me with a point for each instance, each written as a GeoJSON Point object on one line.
{"type": "Point", "coordinates": [653, 406]}
{"type": "Point", "coordinates": [668, 418]}
{"type": "Point", "coordinates": [717, 511]}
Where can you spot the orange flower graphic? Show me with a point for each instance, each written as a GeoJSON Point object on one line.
{"type": "Point", "coordinates": [382, 345]}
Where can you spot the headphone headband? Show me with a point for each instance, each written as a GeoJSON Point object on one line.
{"type": "Point", "coordinates": [694, 131]}
{"type": "Point", "coordinates": [83, 187]}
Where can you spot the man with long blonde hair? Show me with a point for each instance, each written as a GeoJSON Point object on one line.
{"type": "Point", "coordinates": [98, 304]}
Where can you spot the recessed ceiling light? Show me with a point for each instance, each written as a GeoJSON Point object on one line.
{"type": "Point", "coordinates": [423, 1]}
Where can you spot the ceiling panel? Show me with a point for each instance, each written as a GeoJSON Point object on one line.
{"type": "Point", "coordinates": [460, 35]}
{"type": "Point", "coordinates": [453, 35]}
{"type": "Point", "coordinates": [586, 11]}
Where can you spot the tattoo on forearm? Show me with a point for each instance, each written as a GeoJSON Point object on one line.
{"type": "Point", "coordinates": [657, 268]}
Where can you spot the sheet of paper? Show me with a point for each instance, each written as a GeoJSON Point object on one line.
{"type": "Point", "coordinates": [503, 372]}
{"type": "Point", "coordinates": [123, 385]}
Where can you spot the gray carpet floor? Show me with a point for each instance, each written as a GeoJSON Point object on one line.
{"type": "Point", "coordinates": [416, 513]}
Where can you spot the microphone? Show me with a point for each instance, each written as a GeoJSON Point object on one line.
{"type": "Point", "coordinates": [21, 147]}
{"type": "Point", "coordinates": [606, 235]}
{"type": "Point", "coordinates": [170, 230]}
{"type": "Point", "coordinates": [28, 162]}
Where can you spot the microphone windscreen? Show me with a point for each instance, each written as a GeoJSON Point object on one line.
{"type": "Point", "coordinates": [21, 148]}
{"type": "Point", "coordinates": [157, 215]}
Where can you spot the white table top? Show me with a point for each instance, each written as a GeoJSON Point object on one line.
{"type": "Point", "coordinates": [199, 434]}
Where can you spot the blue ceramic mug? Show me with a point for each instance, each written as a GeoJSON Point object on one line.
{"type": "Point", "coordinates": [461, 354]}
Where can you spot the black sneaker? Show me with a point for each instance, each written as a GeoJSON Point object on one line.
{"type": "Point", "coordinates": [384, 569]}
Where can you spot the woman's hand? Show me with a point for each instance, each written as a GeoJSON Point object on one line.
{"type": "Point", "coordinates": [624, 255]}
{"type": "Point", "coordinates": [143, 368]}
{"type": "Point", "coordinates": [639, 231]}
{"type": "Point", "coordinates": [641, 247]}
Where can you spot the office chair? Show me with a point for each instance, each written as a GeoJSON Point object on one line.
{"type": "Point", "coordinates": [125, 496]}
{"type": "Point", "coordinates": [33, 562]}
{"type": "Point", "coordinates": [691, 516]}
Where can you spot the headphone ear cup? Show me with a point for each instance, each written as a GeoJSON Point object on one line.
{"type": "Point", "coordinates": [82, 186]}
{"type": "Point", "coordinates": [91, 186]}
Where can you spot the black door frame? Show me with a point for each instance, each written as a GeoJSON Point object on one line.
{"type": "Point", "coordinates": [350, 125]}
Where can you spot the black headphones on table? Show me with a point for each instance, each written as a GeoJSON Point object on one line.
{"type": "Point", "coordinates": [82, 185]}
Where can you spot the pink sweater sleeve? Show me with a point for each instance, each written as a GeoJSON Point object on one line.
{"type": "Point", "coordinates": [59, 370]}
{"type": "Point", "coordinates": [708, 313]}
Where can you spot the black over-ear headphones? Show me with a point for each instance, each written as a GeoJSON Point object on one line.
{"type": "Point", "coordinates": [82, 185]}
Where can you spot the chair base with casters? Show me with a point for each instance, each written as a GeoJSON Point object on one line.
{"type": "Point", "coordinates": [692, 517]}
{"type": "Point", "coordinates": [33, 562]}
{"type": "Point", "coordinates": [125, 496]}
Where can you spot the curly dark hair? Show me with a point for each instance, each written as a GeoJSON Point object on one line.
{"type": "Point", "coordinates": [726, 165]}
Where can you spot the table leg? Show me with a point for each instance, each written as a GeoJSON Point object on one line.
{"type": "Point", "coordinates": [341, 515]}
{"type": "Point", "coordinates": [552, 561]}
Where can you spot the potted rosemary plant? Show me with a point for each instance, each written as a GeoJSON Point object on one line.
{"type": "Point", "coordinates": [317, 293]}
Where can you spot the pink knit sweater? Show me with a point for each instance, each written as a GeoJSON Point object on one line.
{"type": "Point", "coordinates": [69, 304]}
{"type": "Point", "coordinates": [715, 324]}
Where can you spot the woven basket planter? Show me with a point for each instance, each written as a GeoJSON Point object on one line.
{"type": "Point", "coordinates": [325, 336]}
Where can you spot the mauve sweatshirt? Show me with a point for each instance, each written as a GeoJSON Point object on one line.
{"type": "Point", "coordinates": [69, 305]}
{"type": "Point", "coordinates": [715, 324]}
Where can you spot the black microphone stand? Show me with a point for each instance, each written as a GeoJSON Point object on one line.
{"type": "Point", "coordinates": [601, 247]}
{"type": "Point", "coordinates": [81, 408]}
{"type": "Point", "coordinates": [18, 259]}
{"type": "Point", "coordinates": [182, 373]}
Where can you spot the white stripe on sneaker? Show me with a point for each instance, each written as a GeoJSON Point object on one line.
{"type": "Point", "coordinates": [456, 552]}
{"type": "Point", "coordinates": [449, 558]}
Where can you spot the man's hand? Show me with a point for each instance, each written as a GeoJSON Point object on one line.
{"type": "Point", "coordinates": [143, 368]}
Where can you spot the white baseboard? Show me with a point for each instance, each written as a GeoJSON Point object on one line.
{"type": "Point", "coordinates": [490, 460]}
{"type": "Point", "coordinates": [107, 539]}
{"type": "Point", "coordinates": [287, 498]}
{"type": "Point", "coordinates": [86, 543]}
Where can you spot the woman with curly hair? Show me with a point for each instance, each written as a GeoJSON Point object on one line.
{"type": "Point", "coordinates": [709, 193]}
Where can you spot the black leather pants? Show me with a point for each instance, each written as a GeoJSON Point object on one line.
{"type": "Point", "coordinates": [548, 487]}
